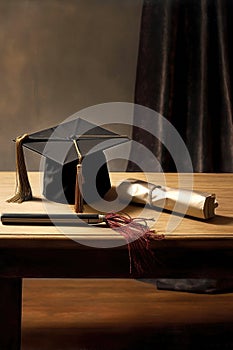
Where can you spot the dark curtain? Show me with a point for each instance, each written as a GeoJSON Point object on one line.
{"type": "Point", "coordinates": [185, 72]}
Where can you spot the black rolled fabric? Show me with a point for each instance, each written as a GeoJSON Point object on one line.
{"type": "Point", "coordinates": [191, 285]}
{"type": "Point", "coordinates": [195, 285]}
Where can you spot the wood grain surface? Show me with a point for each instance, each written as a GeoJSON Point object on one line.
{"type": "Point", "coordinates": [221, 226]}
{"type": "Point", "coordinates": [122, 314]}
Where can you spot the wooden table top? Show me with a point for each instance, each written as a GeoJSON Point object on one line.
{"type": "Point", "coordinates": [219, 227]}
{"type": "Point", "coordinates": [195, 248]}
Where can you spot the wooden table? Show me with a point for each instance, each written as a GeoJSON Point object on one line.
{"type": "Point", "coordinates": [194, 249]}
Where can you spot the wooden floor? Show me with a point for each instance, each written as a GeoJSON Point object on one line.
{"type": "Point", "coordinates": [122, 314]}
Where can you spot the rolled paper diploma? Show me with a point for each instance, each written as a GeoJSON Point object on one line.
{"type": "Point", "coordinates": [197, 204]}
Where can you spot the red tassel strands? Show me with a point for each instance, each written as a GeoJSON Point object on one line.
{"type": "Point", "coordinates": [138, 236]}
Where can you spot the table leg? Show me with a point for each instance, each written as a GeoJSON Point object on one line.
{"type": "Point", "coordinates": [10, 313]}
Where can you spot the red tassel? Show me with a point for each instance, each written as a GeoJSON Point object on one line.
{"type": "Point", "coordinates": [138, 236]}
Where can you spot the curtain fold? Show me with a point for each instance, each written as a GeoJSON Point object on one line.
{"type": "Point", "coordinates": [184, 72]}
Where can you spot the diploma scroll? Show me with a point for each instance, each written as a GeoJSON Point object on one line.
{"type": "Point", "coordinates": [197, 204]}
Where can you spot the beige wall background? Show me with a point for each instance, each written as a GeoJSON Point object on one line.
{"type": "Point", "coordinates": [60, 56]}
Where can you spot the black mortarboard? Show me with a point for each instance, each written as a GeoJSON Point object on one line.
{"type": "Point", "coordinates": [65, 147]}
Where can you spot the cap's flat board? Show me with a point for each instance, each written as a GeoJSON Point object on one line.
{"type": "Point", "coordinates": [57, 143]}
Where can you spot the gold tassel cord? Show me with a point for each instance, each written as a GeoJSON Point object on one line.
{"type": "Point", "coordinates": [78, 206]}
{"type": "Point", "coordinates": [23, 188]}
{"type": "Point", "coordinates": [78, 195]}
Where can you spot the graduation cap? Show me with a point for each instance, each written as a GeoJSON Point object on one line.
{"type": "Point", "coordinates": [75, 165]}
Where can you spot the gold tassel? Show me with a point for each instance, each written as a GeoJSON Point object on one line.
{"type": "Point", "coordinates": [78, 207]}
{"type": "Point", "coordinates": [23, 188]}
